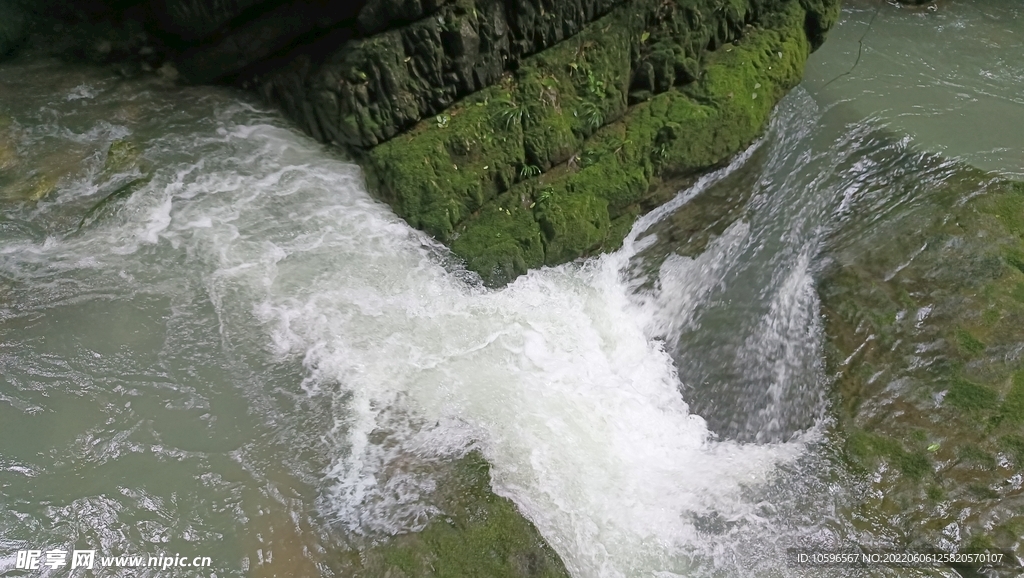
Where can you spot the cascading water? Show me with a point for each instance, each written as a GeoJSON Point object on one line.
{"type": "Point", "coordinates": [255, 233]}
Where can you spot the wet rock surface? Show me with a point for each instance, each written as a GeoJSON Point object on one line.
{"type": "Point", "coordinates": [925, 344]}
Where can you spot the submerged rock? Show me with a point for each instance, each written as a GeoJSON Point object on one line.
{"type": "Point", "coordinates": [924, 314]}
{"type": "Point", "coordinates": [478, 534]}
{"type": "Point", "coordinates": [122, 155]}
{"type": "Point", "coordinates": [41, 186]}
{"type": "Point", "coordinates": [8, 150]}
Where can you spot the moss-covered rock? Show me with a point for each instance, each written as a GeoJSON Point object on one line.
{"type": "Point", "coordinates": [924, 322]}
{"type": "Point", "coordinates": [367, 91]}
{"type": "Point", "coordinates": [122, 155]}
{"type": "Point", "coordinates": [479, 534]}
{"type": "Point", "coordinates": [556, 153]}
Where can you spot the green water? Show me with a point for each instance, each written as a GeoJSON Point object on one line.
{"type": "Point", "coordinates": [948, 76]}
{"type": "Point", "coordinates": [250, 359]}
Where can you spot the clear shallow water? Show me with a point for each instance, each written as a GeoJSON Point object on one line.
{"type": "Point", "coordinates": [251, 359]}
{"type": "Point", "coordinates": [949, 75]}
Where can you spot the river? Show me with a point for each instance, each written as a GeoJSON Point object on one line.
{"type": "Point", "coordinates": [251, 359]}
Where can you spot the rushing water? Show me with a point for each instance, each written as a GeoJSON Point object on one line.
{"type": "Point", "coordinates": [250, 359]}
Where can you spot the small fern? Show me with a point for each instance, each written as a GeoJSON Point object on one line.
{"type": "Point", "coordinates": [591, 115]}
{"type": "Point", "coordinates": [529, 171]}
{"type": "Point", "coordinates": [512, 113]}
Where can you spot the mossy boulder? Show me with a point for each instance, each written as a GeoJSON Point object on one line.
{"type": "Point", "coordinates": [478, 534]}
{"type": "Point", "coordinates": [567, 152]}
{"type": "Point", "coordinates": [924, 318]}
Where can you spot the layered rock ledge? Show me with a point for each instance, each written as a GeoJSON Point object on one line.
{"type": "Point", "coordinates": [519, 148]}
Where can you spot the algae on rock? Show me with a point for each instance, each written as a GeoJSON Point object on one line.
{"type": "Point", "coordinates": [480, 534]}
{"type": "Point", "coordinates": [567, 114]}
{"type": "Point", "coordinates": [924, 315]}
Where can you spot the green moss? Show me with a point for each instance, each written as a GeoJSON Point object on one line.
{"type": "Point", "coordinates": [448, 178]}
{"type": "Point", "coordinates": [979, 543]}
{"type": "Point", "coordinates": [479, 534]}
{"type": "Point", "coordinates": [1013, 404]}
{"type": "Point", "coordinates": [914, 466]}
{"type": "Point", "coordinates": [573, 225]}
{"type": "Point", "coordinates": [982, 492]}
{"type": "Point", "coordinates": [968, 344]}
{"type": "Point", "coordinates": [1015, 258]}
{"type": "Point", "coordinates": [1014, 445]}
{"type": "Point", "coordinates": [435, 176]}
{"type": "Point", "coordinates": [991, 316]}
{"type": "Point", "coordinates": [973, 454]}
{"type": "Point", "coordinates": [864, 449]}
{"type": "Point", "coordinates": [501, 243]}
{"type": "Point", "coordinates": [969, 396]}
{"type": "Point", "coordinates": [1009, 208]}
{"type": "Point", "coordinates": [1010, 530]}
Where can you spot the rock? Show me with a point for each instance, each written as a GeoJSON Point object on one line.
{"type": "Point", "coordinates": [168, 72]}
{"type": "Point", "coordinates": [478, 534]}
{"type": "Point", "coordinates": [122, 155]}
{"type": "Point", "coordinates": [108, 203]}
{"type": "Point", "coordinates": [13, 27]}
{"type": "Point", "coordinates": [191, 20]}
{"type": "Point", "coordinates": [368, 90]}
{"type": "Point", "coordinates": [931, 405]}
{"type": "Point", "coordinates": [554, 163]}
{"type": "Point", "coordinates": [256, 39]}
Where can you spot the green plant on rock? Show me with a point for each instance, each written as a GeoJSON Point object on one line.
{"type": "Point", "coordinates": [596, 86]}
{"type": "Point", "coordinates": [445, 24]}
{"type": "Point", "coordinates": [591, 115]}
{"type": "Point", "coordinates": [660, 152]}
{"type": "Point", "coordinates": [511, 113]}
{"type": "Point", "coordinates": [529, 171]}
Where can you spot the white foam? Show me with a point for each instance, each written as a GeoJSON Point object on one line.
{"type": "Point", "coordinates": [558, 378]}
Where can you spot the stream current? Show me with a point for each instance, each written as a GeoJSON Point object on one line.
{"type": "Point", "coordinates": [251, 359]}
